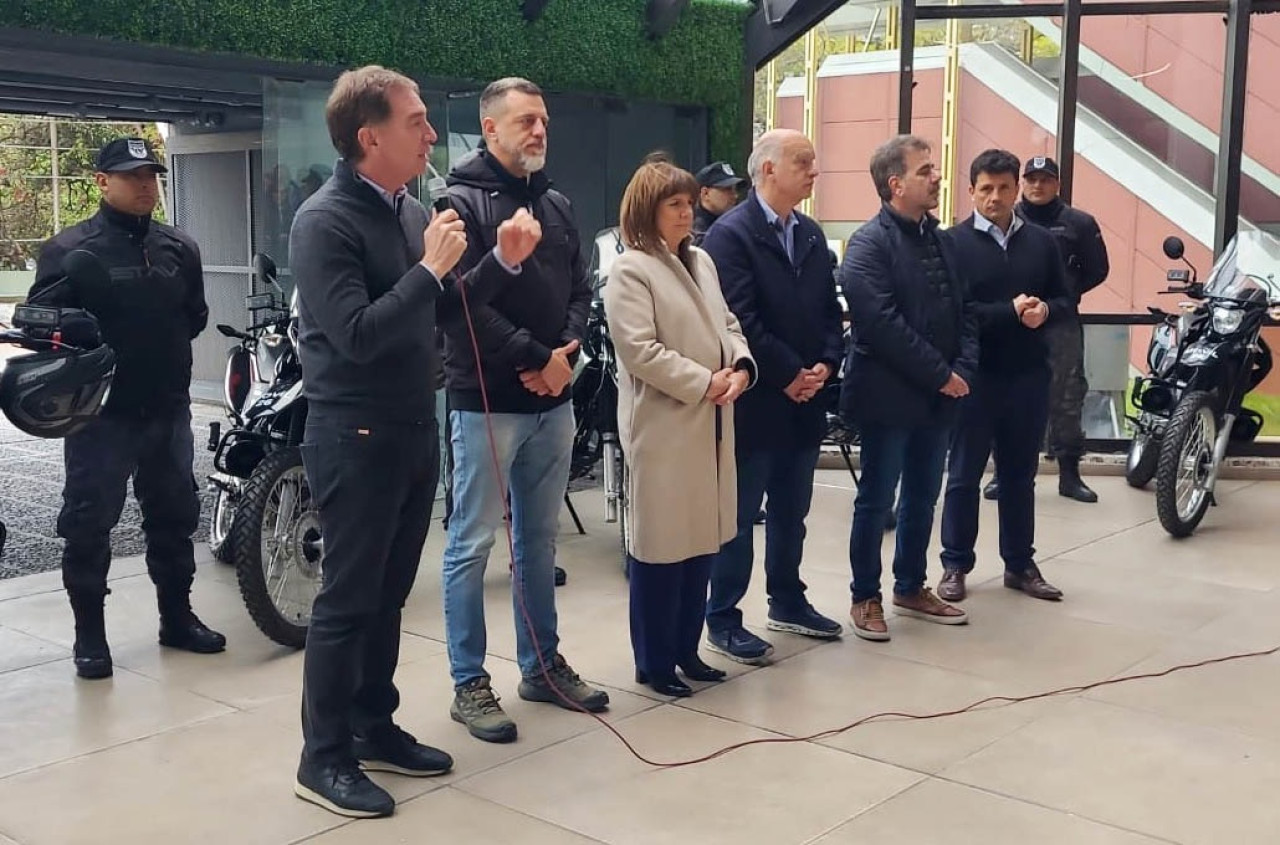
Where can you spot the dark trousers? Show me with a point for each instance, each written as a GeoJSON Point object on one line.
{"type": "Point", "coordinates": [374, 487]}
{"type": "Point", "coordinates": [1067, 389]}
{"type": "Point", "coordinates": [1007, 412]}
{"type": "Point", "coordinates": [916, 455]}
{"type": "Point", "coordinates": [100, 458]}
{"type": "Point", "coordinates": [668, 602]}
{"type": "Point", "coordinates": [787, 476]}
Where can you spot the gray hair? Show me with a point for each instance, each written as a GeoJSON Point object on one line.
{"type": "Point", "coordinates": [495, 93]}
{"type": "Point", "coordinates": [767, 148]}
{"type": "Point", "coordinates": [890, 159]}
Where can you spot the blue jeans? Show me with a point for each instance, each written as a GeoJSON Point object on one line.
{"type": "Point", "coordinates": [787, 476]}
{"type": "Point", "coordinates": [533, 454]}
{"type": "Point", "coordinates": [1007, 413]}
{"type": "Point", "coordinates": [915, 455]}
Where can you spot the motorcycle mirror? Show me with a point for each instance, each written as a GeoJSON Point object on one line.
{"type": "Point", "coordinates": [264, 267]}
{"type": "Point", "coordinates": [1173, 247]}
{"type": "Point", "coordinates": [84, 268]}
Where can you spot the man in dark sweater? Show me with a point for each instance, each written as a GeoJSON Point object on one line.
{"type": "Point", "coordinates": [372, 269]}
{"type": "Point", "coordinates": [1018, 285]}
{"type": "Point", "coordinates": [914, 355]}
{"type": "Point", "coordinates": [528, 336]}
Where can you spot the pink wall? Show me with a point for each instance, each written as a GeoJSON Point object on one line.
{"type": "Point", "coordinates": [1192, 47]}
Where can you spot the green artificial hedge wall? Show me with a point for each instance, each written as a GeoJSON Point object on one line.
{"type": "Point", "coordinates": [596, 46]}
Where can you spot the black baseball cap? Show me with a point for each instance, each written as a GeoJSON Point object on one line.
{"type": "Point", "coordinates": [1041, 164]}
{"type": "Point", "coordinates": [718, 174]}
{"type": "Point", "coordinates": [127, 154]}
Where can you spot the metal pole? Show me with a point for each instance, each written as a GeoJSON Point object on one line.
{"type": "Point", "coordinates": [950, 121]}
{"type": "Point", "coordinates": [1226, 178]}
{"type": "Point", "coordinates": [1068, 93]}
{"type": "Point", "coordinates": [906, 63]}
{"type": "Point", "coordinates": [771, 95]}
{"type": "Point", "coordinates": [55, 171]}
{"type": "Point", "coordinates": [810, 126]}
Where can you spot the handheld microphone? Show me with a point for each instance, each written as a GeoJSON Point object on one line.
{"type": "Point", "coordinates": [438, 190]}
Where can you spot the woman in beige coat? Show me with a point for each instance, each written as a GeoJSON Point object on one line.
{"type": "Point", "coordinates": [682, 361]}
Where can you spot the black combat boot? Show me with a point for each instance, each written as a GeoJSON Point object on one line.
{"type": "Point", "coordinates": [180, 628]}
{"type": "Point", "coordinates": [1070, 484]}
{"type": "Point", "coordinates": [92, 656]}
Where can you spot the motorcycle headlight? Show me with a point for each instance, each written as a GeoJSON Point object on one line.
{"type": "Point", "coordinates": [1227, 320]}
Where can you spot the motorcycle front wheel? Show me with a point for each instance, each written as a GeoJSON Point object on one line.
{"type": "Point", "coordinates": [279, 553]}
{"type": "Point", "coordinates": [1144, 455]}
{"type": "Point", "coordinates": [1183, 494]}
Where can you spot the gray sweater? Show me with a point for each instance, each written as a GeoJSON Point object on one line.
{"type": "Point", "coordinates": [366, 305]}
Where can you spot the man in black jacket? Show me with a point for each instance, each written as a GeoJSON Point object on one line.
{"type": "Point", "coordinates": [150, 313]}
{"type": "Point", "coordinates": [371, 274]}
{"type": "Point", "coordinates": [528, 336]}
{"type": "Point", "coordinates": [1017, 282]}
{"type": "Point", "coordinates": [914, 354]}
{"type": "Point", "coordinates": [1084, 254]}
{"type": "Point", "coordinates": [717, 193]}
{"type": "Point", "coordinates": [775, 271]}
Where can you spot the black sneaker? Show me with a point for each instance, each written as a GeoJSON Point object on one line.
{"type": "Point", "coordinates": [400, 753]}
{"type": "Point", "coordinates": [739, 644]}
{"type": "Point", "coordinates": [343, 789]}
{"type": "Point", "coordinates": [804, 621]}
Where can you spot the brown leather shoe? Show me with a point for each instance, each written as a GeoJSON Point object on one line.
{"type": "Point", "coordinates": [1031, 582]}
{"type": "Point", "coordinates": [868, 620]}
{"type": "Point", "coordinates": [951, 587]}
{"type": "Point", "coordinates": [925, 605]}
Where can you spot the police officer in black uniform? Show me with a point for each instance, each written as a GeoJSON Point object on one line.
{"type": "Point", "coordinates": [1085, 254]}
{"type": "Point", "coordinates": [149, 312]}
{"type": "Point", "coordinates": [718, 192]}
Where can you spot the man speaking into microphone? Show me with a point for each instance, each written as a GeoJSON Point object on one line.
{"type": "Point", "coordinates": [372, 268]}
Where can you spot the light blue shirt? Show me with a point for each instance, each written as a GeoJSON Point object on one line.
{"type": "Point", "coordinates": [786, 232]}
{"type": "Point", "coordinates": [982, 224]}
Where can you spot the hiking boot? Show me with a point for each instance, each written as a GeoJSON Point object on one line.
{"type": "Point", "coordinates": [561, 686]}
{"type": "Point", "coordinates": [476, 706]}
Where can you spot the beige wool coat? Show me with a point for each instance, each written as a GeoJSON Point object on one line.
{"type": "Point", "coordinates": [671, 331]}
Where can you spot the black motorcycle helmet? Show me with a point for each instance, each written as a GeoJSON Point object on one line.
{"type": "Point", "coordinates": [57, 392]}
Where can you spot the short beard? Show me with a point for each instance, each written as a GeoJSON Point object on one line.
{"type": "Point", "coordinates": [529, 164]}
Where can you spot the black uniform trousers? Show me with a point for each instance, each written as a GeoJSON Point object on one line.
{"type": "Point", "coordinates": [157, 451]}
{"type": "Point", "coordinates": [374, 486]}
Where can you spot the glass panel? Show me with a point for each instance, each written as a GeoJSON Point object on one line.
{"type": "Point", "coordinates": [1260, 183]}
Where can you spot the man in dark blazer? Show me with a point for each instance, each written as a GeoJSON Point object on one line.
{"type": "Point", "coordinates": [913, 356]}
{"type": "Point", "coordinates": [775, 271]}
{"type": "Point", "coordinates": [1018, 283]}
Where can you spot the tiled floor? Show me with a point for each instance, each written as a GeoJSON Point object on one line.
{"type": "Point", "coordinates": [181, 748]}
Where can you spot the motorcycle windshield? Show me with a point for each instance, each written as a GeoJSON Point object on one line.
{"type": "Point", "coordinates": [1245, 271]}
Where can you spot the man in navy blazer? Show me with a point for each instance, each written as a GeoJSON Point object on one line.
{"type": "Point", "coordinates": [914, 354]}
{"type": "Point", "coordinates": [775, 271]}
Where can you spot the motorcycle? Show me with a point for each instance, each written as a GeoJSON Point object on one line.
{"type": "Point", "coordinates": [595, 399]}
{"type": "Point", "coordinates": [265, 522]}
{"type": "Point", "coordinates": [1214, 369]}
{"type": "Point", "coordinates": [1156, 394]}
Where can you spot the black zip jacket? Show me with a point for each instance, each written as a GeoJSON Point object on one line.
{"type": "Point", "coordinates": [1084, 252]}
{"type": "Point", "coordinates": [367, 307]}
{"type": "Point", "coordinates": [150, 311]}
{"type": "Point", "coordinates": [543, 307]}
{"type": "Point", "coordinates": [1031, 266]}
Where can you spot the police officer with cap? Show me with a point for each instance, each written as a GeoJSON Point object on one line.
{"type": "Point", "coordinates": [1085, 255]}
{"type": "Point", "coordinates": [150, 310]}
{"type": "Point", "coordinates": [719, 193]}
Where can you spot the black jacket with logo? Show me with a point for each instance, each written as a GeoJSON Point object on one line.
{"type": "Point", "coordinates": [1084, 253]}
{"type": "Point", "coordinates": [151, 310]}
{"type": "Point", "coordinates": [543, 307]}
